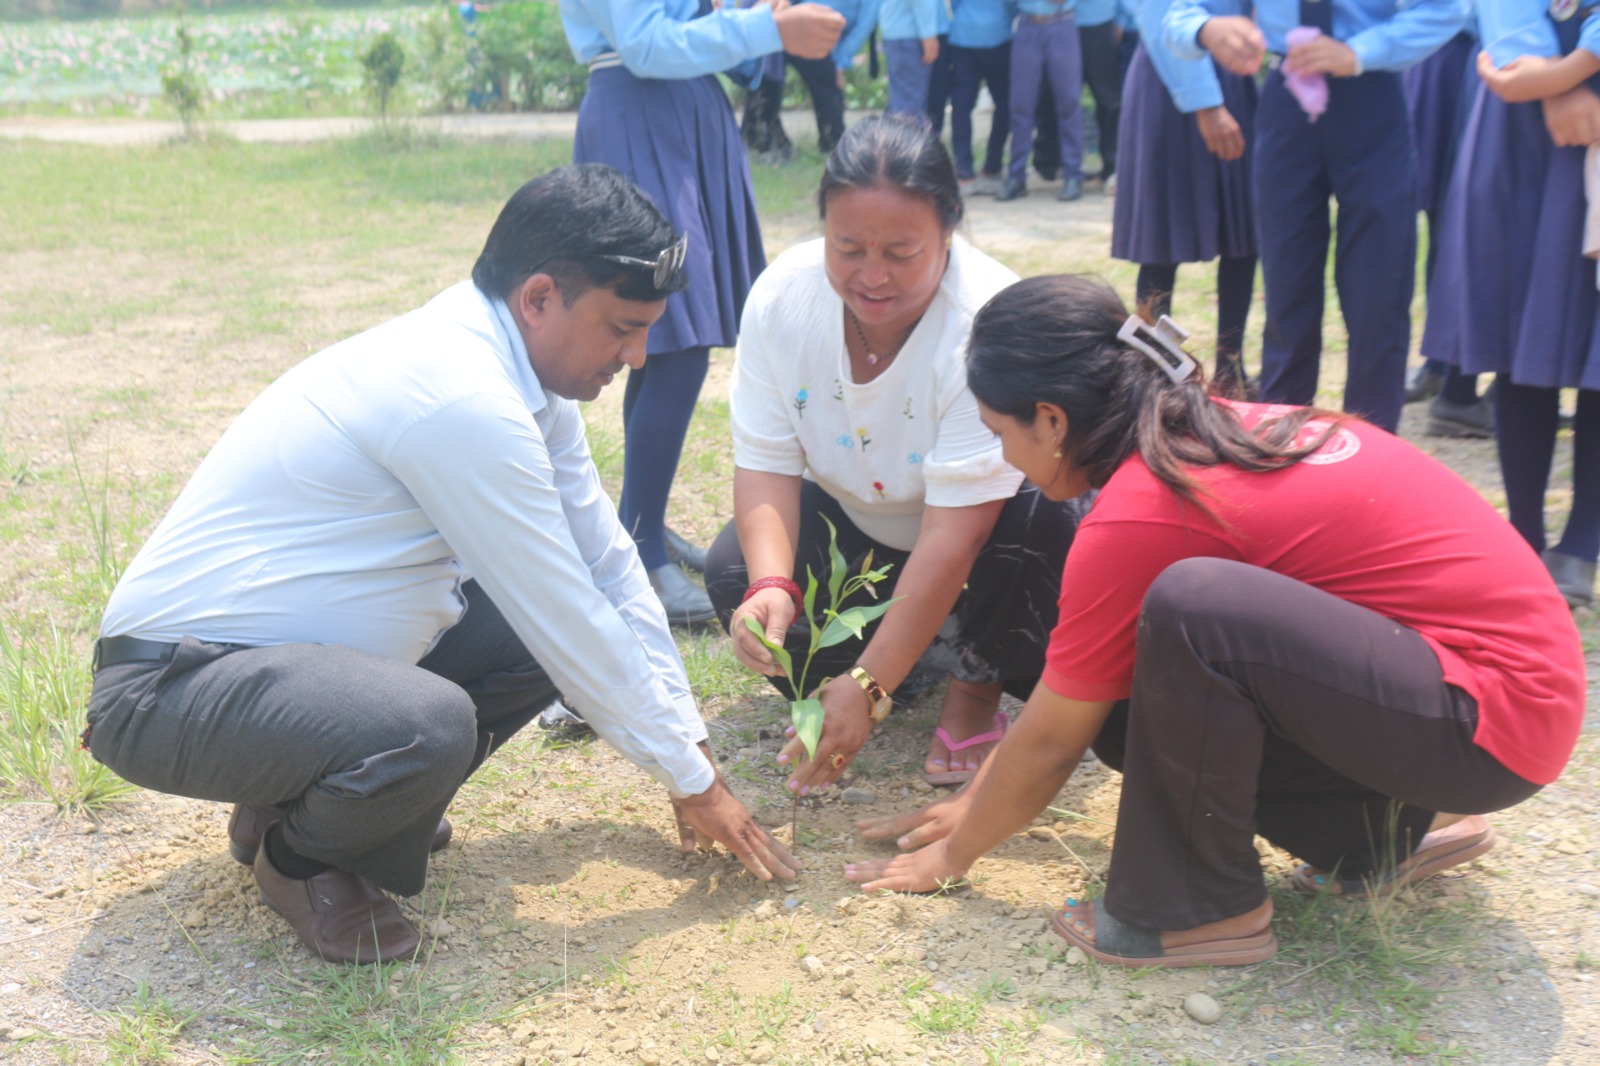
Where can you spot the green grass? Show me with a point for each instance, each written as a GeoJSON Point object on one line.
{"type": "Point", "coordinates": [145, 1030]}
{"type": "Point", "coordinates": [393, 1015]}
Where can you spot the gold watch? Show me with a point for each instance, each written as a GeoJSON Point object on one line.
{"type": "Point", "coordinates": [882, 703]}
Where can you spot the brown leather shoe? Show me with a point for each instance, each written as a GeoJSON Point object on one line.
{"type": "Point", "coordinates": [340, 916]}
{"type": "Point", "coordinates": [249, 821]}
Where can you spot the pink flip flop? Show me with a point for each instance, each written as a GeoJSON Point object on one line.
{"type": "Point", "coordinates": [961, 777]}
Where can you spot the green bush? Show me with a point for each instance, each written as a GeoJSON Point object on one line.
{"type": "Point", "coordinates": [383, 63]}
{"type": "Point", "coordinates": [182, 84]}
{"type": "Point", "coordinates": [442, 73]}
{"type": "Point", "coordinates": [525, 55]}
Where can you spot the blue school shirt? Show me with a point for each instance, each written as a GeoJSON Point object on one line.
{"type": "Point", "coordinates": [981, 23]}
{"type": "Point", "coordinates": [1512, 28]}
{"type": "Point", "coordinates": [1192, 83]}
{"type": "Point", "coordinates": [1043, 7]}
{"type": "Point", "coordinates": [663, 39]}
{"type": "Point", "coordinates": [901, 20]}
{"type": "Point", "coordinates": [1096, 12]}
{"type": "Point", "coordinates": [860, 16]}
{"type": "Point", "coordinates": [1383, 34]}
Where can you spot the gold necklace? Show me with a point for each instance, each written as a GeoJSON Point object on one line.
{"type": "Point", "coordinates": [873, 358]}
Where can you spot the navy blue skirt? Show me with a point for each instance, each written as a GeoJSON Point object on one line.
{"type": "Point", "coordinates": [1176, 202]}
{"type": "Point", "coordinates": [678, 141]}
{"type": "Point", "coordinates": [1512, 292]}
{"type": "Point", "coordinates": [1437, 97]}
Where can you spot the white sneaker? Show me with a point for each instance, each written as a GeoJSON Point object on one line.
{"type": "Point", "coordinates": [1111, 185]}
{"type": "Point", "coordinates": [984, 185]}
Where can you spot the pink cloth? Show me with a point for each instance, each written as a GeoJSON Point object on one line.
{"type": "Point", "coordinates": [1310, 89]}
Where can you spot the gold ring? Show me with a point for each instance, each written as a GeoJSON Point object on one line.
{"type": "Point", "coordinates": [837, 761]}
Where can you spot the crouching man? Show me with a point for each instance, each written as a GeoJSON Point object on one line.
{"type": "Point", "coordinates": [396, 556]}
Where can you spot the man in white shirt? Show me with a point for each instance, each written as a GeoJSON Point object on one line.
{"type": "Point", "coordinates": [393, 559]}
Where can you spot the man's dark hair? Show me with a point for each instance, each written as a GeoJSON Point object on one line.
{"type": "Point", "coordinates": [897, 151]}
{"type": "Point", "coordinates": [563, 222]}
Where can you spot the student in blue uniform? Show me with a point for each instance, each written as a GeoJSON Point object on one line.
{"type": "Point", "coordinates": [980, 54]}
{"type": "Point", "coordinates": [1513, 293]}
{"type": "Point", "coordinates": [1437, 97]}
{"type": "Point", "coordinates": [1099, 37]}
{"type": "Point", "coordinates": [762, 125]}
{"type": "Point", "coordinates": [1359, 152]}
{"type": "Point", "coordinates": [910, 30]}
{"type": "Point", "coordinates": [1184, 194]}
{"type": "Point", "coordinates": [1046, 49]}
{"type": "Point", "coordinates": [656, 112]}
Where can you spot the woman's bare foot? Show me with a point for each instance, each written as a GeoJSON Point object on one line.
{"type": "Point", "coordinates": [969, 713]}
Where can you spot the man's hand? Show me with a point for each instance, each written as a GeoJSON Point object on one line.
{"type": "Point", "coordinates": [808, 30]}
{"type": "Point", "coordinates": [716, 814]}
{"type": "Point", "coordinates": [772, 610]}
{"type": "Point", "coordinates": [919, 871]}
{"type": "Point", "coordinates": [930, 50]}
{"type": "Point", "coordinates": [1573, 118]}
{"type": "Point", "coordinates": [926, 824]}
{"type": "Point", "coordinates": [1322, 55]}
{"type": "Point", "coordinates": [1221, 132]}
{"type": "Point", "coordinates": [1236, 42]}
{"type": "Point", "coordinates": [846, 725]}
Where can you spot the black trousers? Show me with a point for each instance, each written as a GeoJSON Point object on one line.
{"type": "Point", "coordinates": [762, 124]}
{"type": "Point", "coordinates": [1261, 705]}
{"type": "Point", "coordinates": [1004, 615]}
{"type": "Point", "coordinates": [1102, 73]}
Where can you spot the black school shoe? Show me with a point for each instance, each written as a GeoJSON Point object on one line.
{"type": "Point", "coordinates": [685, 602]}
{"type": "Point", "coordinates": [1015, 189]}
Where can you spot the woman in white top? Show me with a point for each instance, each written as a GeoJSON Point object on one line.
{"type": "Point", "coordinates": [849, 402]}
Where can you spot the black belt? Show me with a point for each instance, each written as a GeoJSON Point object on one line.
{"type": "Point", "coordinates": [109, 651]}
{"type": "Point", "coordinates": [1046, 20]}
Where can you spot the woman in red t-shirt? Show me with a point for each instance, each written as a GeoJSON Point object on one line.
{"type": "Point", "coordinates": [1274, 621]}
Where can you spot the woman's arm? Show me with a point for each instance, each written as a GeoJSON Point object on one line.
{"type": "Point", "coordinates": [1529, 78]}
{"type": "Point", "coordinates": [766, 511]}
{"type": "Point", "coordinates": [947, 545]}
{"type": "Point", "coordinates": [1032, 762]}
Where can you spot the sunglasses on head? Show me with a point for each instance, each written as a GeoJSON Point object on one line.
{"type": "Point", "coordinates": [665, 265]}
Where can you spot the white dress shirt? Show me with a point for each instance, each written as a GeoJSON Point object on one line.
{"type": "Point", "coordinates": [886, 449]}
{"type": "Point", "coordinates": [354, 495]}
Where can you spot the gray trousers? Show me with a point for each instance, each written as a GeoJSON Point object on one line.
{"type": "Point", "coordinates": [1047, 52]}
{"type": "Point", "coordinates": [363, 753]}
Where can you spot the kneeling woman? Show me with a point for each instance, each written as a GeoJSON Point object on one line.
{"type": "Point", "coordinates": [849, 403]}
{"type": "Point", "coordinates": [1337, 638]}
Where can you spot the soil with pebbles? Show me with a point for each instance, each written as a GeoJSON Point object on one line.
{"type": "Point", "coordinates": [564, 924]}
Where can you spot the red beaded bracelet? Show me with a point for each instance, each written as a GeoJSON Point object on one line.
{"type": "Point", "coordinates": [775, 582]}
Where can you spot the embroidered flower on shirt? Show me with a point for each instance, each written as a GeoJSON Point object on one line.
{"type": "Point", "coordinates": [907, 411]}
{"type": "Point", "coordinates": [877, 487]}
{"type": "Point", "coordinates": [844, 440]}
{"type": "Point", "coordinates": [914, 458]}
{"type": "Point", "coordinates": [861, 431]}
{"type": "Point", "coordinates": [838, 389]}
{"type": "Point", "coordinates": [800, 399]}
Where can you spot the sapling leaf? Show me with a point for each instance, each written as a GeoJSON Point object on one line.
{"type": "Point", "coordinates": [779, 652]}
{"type": "Point", "coordinates": [807, 718]}
{"type": "Point", "coordinates": [836, 565]}
{"type": "Point", "coordinates": [850, 623]}
{"type": "Point", "coordinates": [811, 593]}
